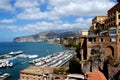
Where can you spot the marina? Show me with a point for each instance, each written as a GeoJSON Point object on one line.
{"type": "Point", "coordinates": [4, 76]}
{"type": "Point", "coordinates": [4, 64]}
{"type": "Point", "coordinates": [57, 59]}
{"type": "Point", "coordinates": [27, 56]}
{"type": "Point", "coordinates": [10, 55]}
{"type": "Point", "coordinates": [33, 50]}
{"type": "Point", "coordinates": [6, 58]}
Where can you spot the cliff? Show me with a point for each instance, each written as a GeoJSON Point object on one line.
{"type": "Point", "coordinates": [46, 35]}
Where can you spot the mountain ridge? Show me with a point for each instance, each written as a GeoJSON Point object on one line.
{"type": "Point", "coordinates": [47, 35]}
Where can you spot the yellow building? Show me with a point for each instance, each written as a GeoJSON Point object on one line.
{"type": "Point", "coordinates": [84, 32]}
{"type": "Point", "coordinates": [98, 22]}
{"type": "Point", "coordinates": [41, 73]}
{"type": "Point", "coordinates": [36, 73]}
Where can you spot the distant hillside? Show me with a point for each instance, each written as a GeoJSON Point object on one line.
{"type": "Point", "coordinates": [46, 35]}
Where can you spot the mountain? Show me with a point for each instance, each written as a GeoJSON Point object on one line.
{"type": "Point", "coordinates": [46, 35]}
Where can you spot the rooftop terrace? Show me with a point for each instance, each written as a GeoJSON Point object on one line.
{"type": "Point", "coordinates": [37, 70]}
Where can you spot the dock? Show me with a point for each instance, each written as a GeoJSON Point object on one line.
{"type": "Point", "coordinates": [58, 59]}
{"type": "Point", "coordinates": [5, 76]}
{"type": "Point", "coordinates": [10, 55]}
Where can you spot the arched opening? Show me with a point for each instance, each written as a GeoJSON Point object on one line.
{"type": "Point", "coordinates": [57, 78]}
{"type": "Point", "coordinates": [109, 51]}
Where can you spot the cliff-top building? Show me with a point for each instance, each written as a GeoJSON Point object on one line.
{"type": "Point", "coordinates": [108, 36]}
{"type": "Point", "coordinates": [98, 22]}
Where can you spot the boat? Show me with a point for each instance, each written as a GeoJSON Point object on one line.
{"type": "Point", "coordinates": [32, 56]}
{"type": "Point", "coordinates": [27, 56]}
{"type": "Point", "coordinates": [15, 53]}
{"type": "Point", "coordinates": [5, 76]}
{"type": "Point", "coordinates": [57, 59]}
{"type": "Point", "coordinates": [10, 65]}
{"type": "Point", "coordinates": [5, 64]}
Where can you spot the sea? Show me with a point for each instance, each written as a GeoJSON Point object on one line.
{"type": "Point", "coordinates": [33, 48]}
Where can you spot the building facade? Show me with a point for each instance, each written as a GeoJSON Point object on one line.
{"type": "Point", "coordinates": [108, 38]}
{"type": "Point", "coordinates": [36, 73]}
{"type": "Point", "coordinates": [98, 23]}
{"type": "Point", "coordinates": [41, 73]}
{"type": "Point", "coordinates": [113, 16]}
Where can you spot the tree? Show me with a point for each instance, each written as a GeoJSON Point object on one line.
{"type": "Point", "coordinates": [97, 31]}
{"type": "Point", "coordinates": [74, 66]}
{"type": "Point", "coordinates": [60, 70]}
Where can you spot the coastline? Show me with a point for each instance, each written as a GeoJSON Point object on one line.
{"type": "Point", "coordinates": [40, 48]}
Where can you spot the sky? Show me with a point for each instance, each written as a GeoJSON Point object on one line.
{"type": "Point", "coordinates": [27, 17]}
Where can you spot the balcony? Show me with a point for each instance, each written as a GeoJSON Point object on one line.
{"type": "Point", "coordinates": [112, 31]}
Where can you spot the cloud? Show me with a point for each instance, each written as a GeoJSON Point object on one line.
{"type": "Point", "coordinates": [81, 23]}
{"type": "Point", "coordinates": [26, 3]}
{"type": "Point", "coordinates": [7, 21]}
{"type": "Point", "coordinates": [62, 8]}
{"type": "Point", "coordinates": [32, 14]}
{"type": "Point", "coordinates": [81, 7]}
{"type": "Point", "coordinates": [55, 10]}
{"type": "Point", "coordinates": [5, 5]}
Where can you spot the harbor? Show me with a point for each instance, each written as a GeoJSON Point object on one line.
{"type": "Point", "coordinates": [41, 49]}
{"type": "Point", "coordinates": [10, 55]}
{"type": "Point", "coordinates": [6, 58]}
{"type": "Point", "coordinates": [57, 59]}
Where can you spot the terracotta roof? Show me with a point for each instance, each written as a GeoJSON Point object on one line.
{"type": "Point", "coordinates": [97, 75]}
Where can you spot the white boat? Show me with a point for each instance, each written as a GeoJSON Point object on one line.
{"type": "Point", "coordinates": [27, 56]}
{"type": "Point", "coordinates": [16, 53]}
{"type": "Point", "coordinates": [57, 59]}
{"type": "Point", "coordinates": [4, 76]}
{"type": "Point", "coordinates": [32, 56]}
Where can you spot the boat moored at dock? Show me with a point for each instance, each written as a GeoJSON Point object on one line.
{"type": "Point", "coordinates": [5, 76]}
{"type": "Point", "coordinates": [57, 59]}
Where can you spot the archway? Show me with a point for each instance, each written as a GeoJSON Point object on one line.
{"type": "Point", "coordinates": [57, 78]}
{"type": "Point", "coordinates": [109, 51]}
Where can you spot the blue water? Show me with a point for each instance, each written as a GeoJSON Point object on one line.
{"type": "Point", "coordinates": [39, 48]}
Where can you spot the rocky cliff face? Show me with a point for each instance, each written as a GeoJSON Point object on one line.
{"type": "Point", "coordinates": [46, 35]}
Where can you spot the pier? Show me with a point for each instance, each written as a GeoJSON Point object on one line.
{"type": "Point", "coordinates": [58, 59]}
{"type": "Point", "coordinates": [5, 76]}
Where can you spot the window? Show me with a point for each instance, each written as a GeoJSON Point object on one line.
{"type": "Point", "coordinates": [114, 17]}
{"type": "Point", "coordinates": [22, 77]}
{"type": "Point", "coordinates": [94, 39]}
{"type": "Point", "coordinates": [27, 78]}
{"type": "Point", "coordinates": [119, 10]}
{"type": "Point", "coordinates": [90, 39]}
{"type": "Point", "coordinates": [119, 16]}
{"type": "Point", "coordinates": [112, 39]}
{"type": "Point", "coordinates": [119, 31]}
{"type": "Point", "coordinates": [38, 78]}
{"type": "Point", "coordinates": [102, 40]}
{"type": "Point", "coordinates": [114, 24]}
{"type": "Point", "coordinates": [113, 32]}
